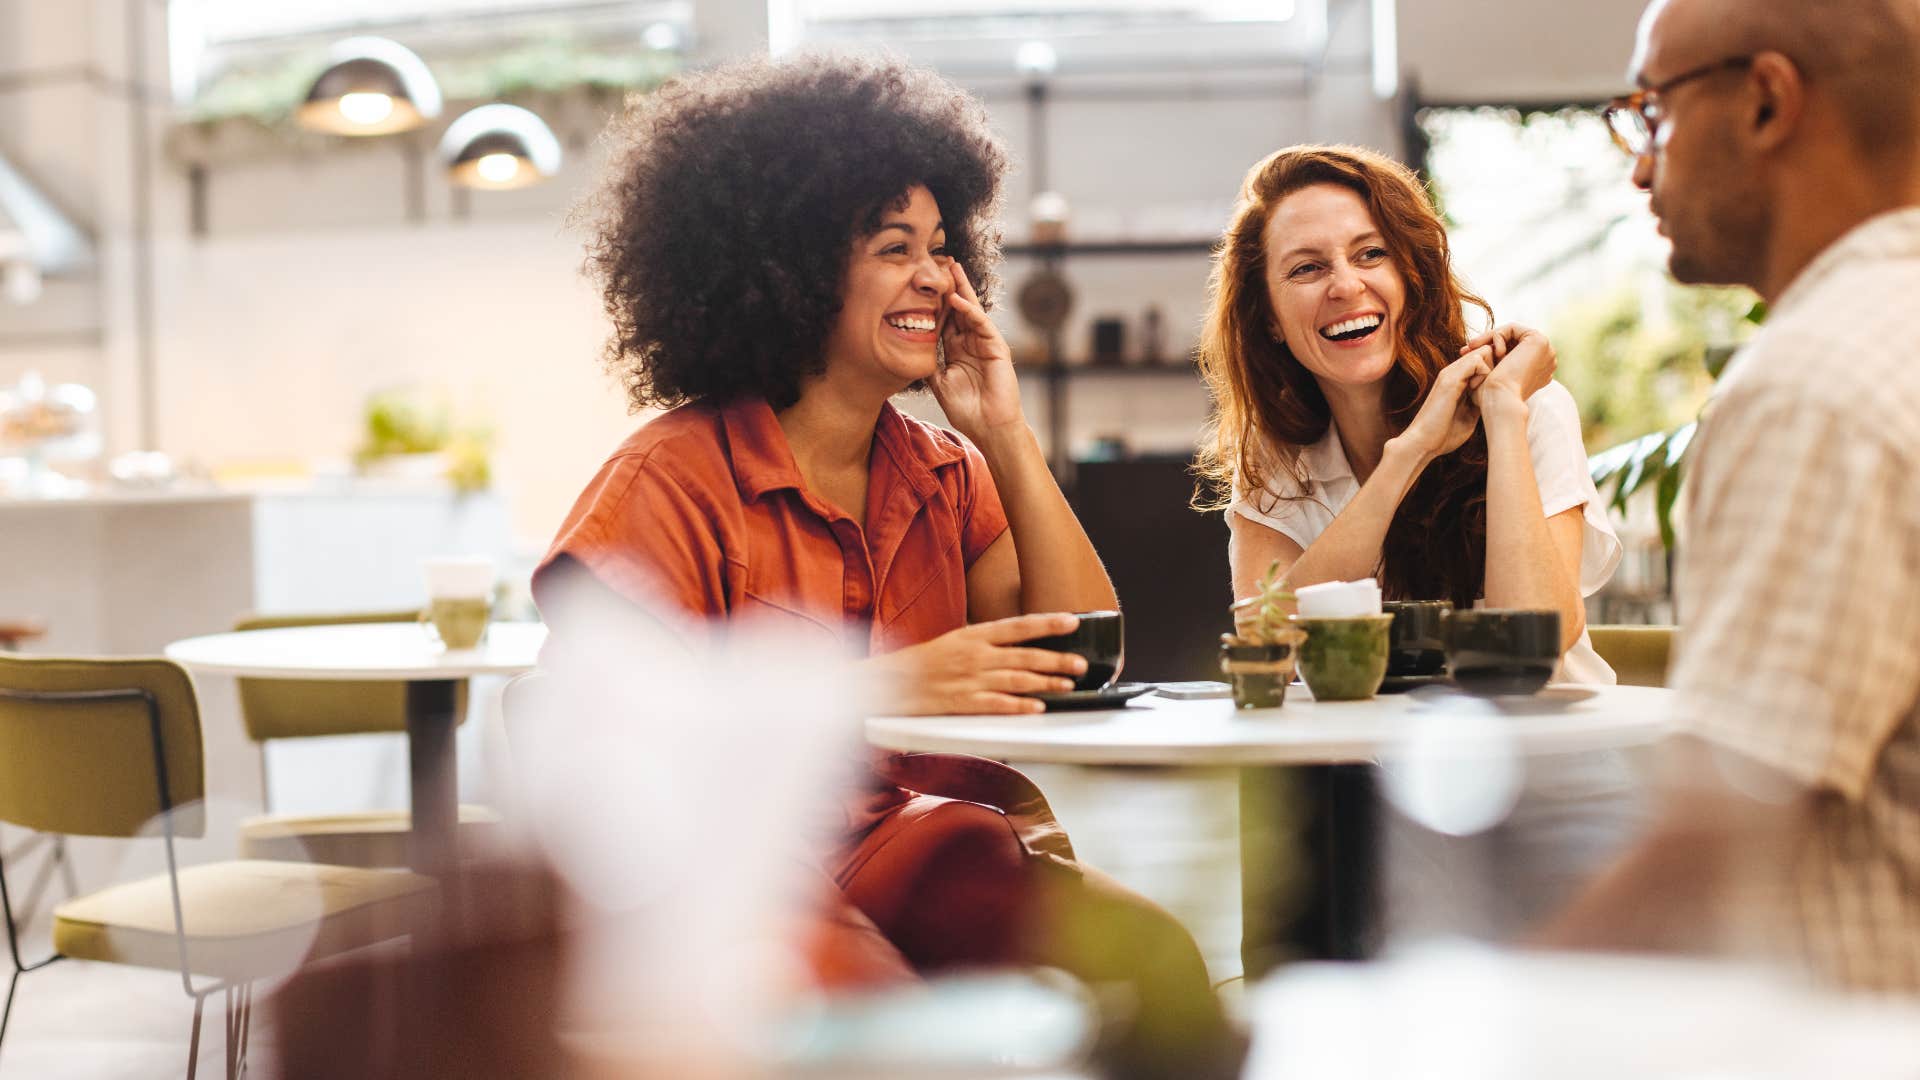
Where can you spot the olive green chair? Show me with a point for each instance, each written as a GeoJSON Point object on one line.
{"type": "Point", "coordinates": [1639, 655]}
{"type": "Point", "coordinates": [12, 633]}
{"type": "Point", "coordinates": [112, 748]}
{"type": "Point", "coordinates": [308, 708]}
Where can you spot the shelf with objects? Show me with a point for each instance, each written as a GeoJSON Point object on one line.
{"type": "Point", "coordinates": [1044, 298]}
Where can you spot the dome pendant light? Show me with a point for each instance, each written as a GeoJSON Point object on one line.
{"type": "Point", "coordinates": [372, 86]}
{"type": "Point", "coordinates": [498, 147]}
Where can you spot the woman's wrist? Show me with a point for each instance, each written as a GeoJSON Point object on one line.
{"type": "Point", "coordinates": [1003, 442]}
{"type": "Point", "coordinates": [1501, 407]}
{"type": "Point", "coordinates": [1403, 455]}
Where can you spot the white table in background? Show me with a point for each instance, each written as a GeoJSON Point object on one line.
{"type": "Point", "coordinates": [1337, 740]}
{"type": "Point", "coordinates": [398, 652]}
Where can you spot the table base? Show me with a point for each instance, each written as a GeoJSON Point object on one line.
{"type": "Point", "coordinates": [433, 773]}
{"type": "Point", "coordinates": [1309, 865]}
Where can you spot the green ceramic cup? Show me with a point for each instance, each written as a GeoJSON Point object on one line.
{"type": "Point", "coordinates": [1344, 659]}
{"type": "Point", "coordinates": [459, 622]}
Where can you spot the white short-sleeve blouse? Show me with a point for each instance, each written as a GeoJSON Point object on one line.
{"type": "Point", "coordinates": [1559, 467]}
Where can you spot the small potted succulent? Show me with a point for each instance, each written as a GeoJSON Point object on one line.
{"type": "Point", "coordinates": [1258, 657]}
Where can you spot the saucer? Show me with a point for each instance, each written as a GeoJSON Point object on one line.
{"type": "Point", "coordinates": [1110, 698]}
{"type": "Point", "coordinates": [1400, 684]}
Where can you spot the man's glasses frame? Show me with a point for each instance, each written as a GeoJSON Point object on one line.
{"type": "Point", "coordinates": [1634, 120]}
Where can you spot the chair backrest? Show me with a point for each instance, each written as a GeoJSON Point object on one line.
{"type": "Point", "coordinates": [1639, 655]}
{"type": "Point", "coordinates": [77, 745]}
{"type": "Point", "coordinates": [302, 708]}
{"type": "Point", "coordinates": [526, 697]}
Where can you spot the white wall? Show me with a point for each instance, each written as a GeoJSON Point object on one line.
{"type": "Point", "coordinates": [1518, 50]}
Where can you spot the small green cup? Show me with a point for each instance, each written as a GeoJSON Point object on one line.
{"type": "Point", "coordinates": [1344, 659]}
{"type": "Point", "coordinates": [459, 622]}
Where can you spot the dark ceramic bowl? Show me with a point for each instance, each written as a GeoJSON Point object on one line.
{"type": "Point", "coordinates": [1101, 638]}
{"type": "Point", "coordinates": [1416, 645]}
{"type": "Point", "coordinates": [1495, 652]}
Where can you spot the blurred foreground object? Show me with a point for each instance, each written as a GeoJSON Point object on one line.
{"type": "Point", "coordinates": [1458, 1011]}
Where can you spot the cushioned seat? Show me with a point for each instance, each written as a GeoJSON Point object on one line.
{"type": "Point", "coordinates": [371, 838]}
{"type": "Point", "coordinates": [243, 919]}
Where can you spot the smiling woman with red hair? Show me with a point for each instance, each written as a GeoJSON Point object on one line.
{"type": "Point", "coordinates": [1362, 433]}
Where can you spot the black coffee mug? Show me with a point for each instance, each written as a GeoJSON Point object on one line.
{"type": "Point", "coordinates": [1416, 643]}
{"type": "Point", "coordinates": [1502, 651]}
{"type": "Point", "coordinates": [1100, 638]}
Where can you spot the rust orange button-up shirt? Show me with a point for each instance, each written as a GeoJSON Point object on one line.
{"type": "Point", "coordinates": [705, 508]}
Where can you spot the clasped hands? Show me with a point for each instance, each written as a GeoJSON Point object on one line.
{"type": "Point", "coordinates": [1493, 378]}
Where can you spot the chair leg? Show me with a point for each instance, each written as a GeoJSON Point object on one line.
{"type": "Point", "coordinates": [233, 1033]}
{"type": "Point", "coordinates": [193, 1044]}
{"type": "Point", "coordinates": [246, 1025]}
{"type": "Point", "coordinates": [66, 867]}
{"type": "Point", "coordinates": [7, 1014]}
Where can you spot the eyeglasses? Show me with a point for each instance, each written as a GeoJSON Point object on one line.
{"type": "Point", "coordinates": [1635, 119]}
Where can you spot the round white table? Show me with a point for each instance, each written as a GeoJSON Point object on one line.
{"type": "Point", "coordinates": [400, 652]}
{"type": "Point", "coordinates": [1319, 751]}
{"type": "Point", "coordinates": [1152, 730]}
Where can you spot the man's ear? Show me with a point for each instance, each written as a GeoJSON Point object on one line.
{"type": "Point", "coordinates": [1777, 95]}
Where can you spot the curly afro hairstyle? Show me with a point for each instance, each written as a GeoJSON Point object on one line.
{"type": "Point", "coordinates": [720, 239]}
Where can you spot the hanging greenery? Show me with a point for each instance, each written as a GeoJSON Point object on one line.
{"type": "Point", "coordinates": [269, 93]}
{"type": "Point", "coordinates": [1658, 459]}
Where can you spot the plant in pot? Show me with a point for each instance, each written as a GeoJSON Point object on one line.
{"type": "Point", "coordinates": [404, 438]}
{"type": "Point", "coordinates": [1259, 655]}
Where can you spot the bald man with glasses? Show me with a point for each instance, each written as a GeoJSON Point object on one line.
{"type": "Point", "coordinates": [1779, 141]}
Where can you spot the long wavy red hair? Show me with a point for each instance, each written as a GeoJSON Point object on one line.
{"type": "Point", "coordinates": [1269, 408]}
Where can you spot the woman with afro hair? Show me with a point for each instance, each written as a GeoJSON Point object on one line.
{"type": "Point", "coordinates": [783, 247]}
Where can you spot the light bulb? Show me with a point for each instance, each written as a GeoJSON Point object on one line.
{"type": "Point", "coordinates": [498, 168]}
{"type": "Point", "coordinates": [365, 109]}
{"type": "Point", "coordinates": [22, 281]}
{"type": "Point", "coordinates": [1035, 59]}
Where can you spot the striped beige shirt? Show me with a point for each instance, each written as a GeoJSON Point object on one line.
{"type": "Point", "coordinates": [1799, 589]}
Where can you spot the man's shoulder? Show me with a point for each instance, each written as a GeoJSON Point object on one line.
{"type": "Point", "coordinates": [1846, 345]}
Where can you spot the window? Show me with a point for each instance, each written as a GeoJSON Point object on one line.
{"type": "Point", "coordinates": [1545, 223]}
{"type": "Point", "coordinates": [977, 35]}
{"type": "Point", "coordinates": [217, 44]}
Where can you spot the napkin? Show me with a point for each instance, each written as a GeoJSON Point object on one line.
{"type": "Point", "coordinates": [1339, 599]}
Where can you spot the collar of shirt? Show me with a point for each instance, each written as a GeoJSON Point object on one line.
{"type": "Point", "coordinates": [1892, 235]}
{"type": "Point", "coordinates": [1326, 460]}
{"type": "Point", "coordinates": [763, 460]}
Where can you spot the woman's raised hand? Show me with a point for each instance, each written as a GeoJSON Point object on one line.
{"type": "Point", "coordinates": [1448, 416]}
{"type": "Point", "coordinates": [982, 668]}
{"type": "Point", "coordinates": [976, 386]}
{"type": "Point", "coordinates": [1522, 360]}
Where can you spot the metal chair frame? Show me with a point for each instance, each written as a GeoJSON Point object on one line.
{"type": "Point", "coordinates": [238, 996]}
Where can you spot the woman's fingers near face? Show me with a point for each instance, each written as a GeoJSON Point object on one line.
{"type": "Point", "coordinates": [961, 285]}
